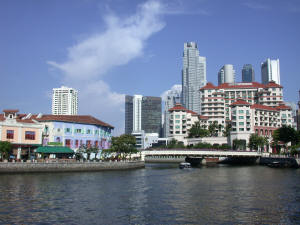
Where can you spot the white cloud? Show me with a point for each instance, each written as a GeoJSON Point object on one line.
{"type": "Point", "coordinates": [175, 88]}
{"type": "Point", "coordinates": [256, 5]}
{"type": "Point", "coordinates": [87, 62]}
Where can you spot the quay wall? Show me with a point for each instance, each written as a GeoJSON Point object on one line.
{"type": "Point", "coordinates": [68, 167]}
{"type": "Point", "coordinates": [288, 160]}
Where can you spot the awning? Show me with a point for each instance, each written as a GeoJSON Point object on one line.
{"type": "Point", "coordinates": [54, 150]}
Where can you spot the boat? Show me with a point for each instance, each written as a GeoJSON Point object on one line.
{"type": "Point", "coordinates": [184, 165]}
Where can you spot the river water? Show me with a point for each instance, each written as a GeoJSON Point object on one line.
{"type": "Point", "coordinates": [158, 194]}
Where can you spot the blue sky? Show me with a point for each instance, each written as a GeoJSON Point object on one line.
{"type": "Point", "coordinates": [109, 48]}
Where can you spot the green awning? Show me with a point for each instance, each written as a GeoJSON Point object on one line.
{"type": "Point", "coordinates": [54, 150]}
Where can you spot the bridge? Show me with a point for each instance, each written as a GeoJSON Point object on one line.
{"type": "Point", "coordinates": [197, 153]}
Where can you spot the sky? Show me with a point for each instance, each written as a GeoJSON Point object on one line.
{"type": "Point", "coordinates": [109, 48]}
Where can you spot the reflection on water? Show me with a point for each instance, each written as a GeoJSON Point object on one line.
{"type": "Point", "coordinates": [158, 194]}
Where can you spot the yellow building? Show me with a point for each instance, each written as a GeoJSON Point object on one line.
{"type": "Point", "coordinates": [22, 131]}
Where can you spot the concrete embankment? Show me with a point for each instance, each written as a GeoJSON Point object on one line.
{"type": "Point", "coordinates": [68, 167]}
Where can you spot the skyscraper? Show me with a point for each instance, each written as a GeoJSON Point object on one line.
{"type": "Point", "coordinates": [248, 73]}
{"type": "Point", "coordinates": [193, 76]}
{"type": "Point", "coordinates": [270, 70]}
{"type": "Point", "coordinates": [226, 74]}
{"type": "Point", "coordinates": [142, 113]}
{"type": "Point", "coordinates": [170, 99]}
{"type": "Point", "coordinates": [64, 101]}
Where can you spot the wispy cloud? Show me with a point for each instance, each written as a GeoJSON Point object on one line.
{"type": "Point", "coordinates": [89, 60]}
{"type": "Point", "coordinates": [256, 5]}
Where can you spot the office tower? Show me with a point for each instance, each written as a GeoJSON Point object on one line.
{"type": "Point", "coordinates": [270, 71]}
{"type": "Point", "coordinates": [64, 101]}
{"type": "Point", "coordinates": [226, 74]}
{"type": "Point", "coordinates": [248, 73]}
{"type": "Point", "coordinates": [193, 76]}
{"type": "Point", "coordinates": [171, 98]}
{"type": "Point", "coordinates": [142, 113]}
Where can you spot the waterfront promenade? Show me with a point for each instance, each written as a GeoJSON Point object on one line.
{"type": "Point", "coordinates": [36, 167]}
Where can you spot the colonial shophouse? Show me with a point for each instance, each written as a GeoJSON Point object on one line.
{"type": "Point", "coordinates": [75, 130]}
{"type": "Point", "coordinates": [22, 131]}
{"type": "Point", "coordinates": [26, 131]}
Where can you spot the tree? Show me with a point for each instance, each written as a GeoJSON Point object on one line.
{"type": "Point", "coordinates": [227, 130]}
{"type": "Point", "coordinates": [256, 141]}
{"type": "Point", "coordinates": [197, 131]}
{"type": "Point", "coordinates": [286, 134]}
{"type": "Point", "coordinates": [213, 129]}
{"type": "Point", "coordinates": [239, 144]}
{"type": "Point", "coordinates": [5, 149]}
{"type": "Point", "coordinates": [124, 144]}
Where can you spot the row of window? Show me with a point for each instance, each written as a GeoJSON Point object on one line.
{"type": "Point", "coordinates": [29, 135]}
{"type": "Point", "coordinates": [81, 131]}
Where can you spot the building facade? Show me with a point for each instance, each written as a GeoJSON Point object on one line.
{"type": "Point", "coordinates": [74, 131]}
{"type": "Point", "coordinates": [22, 131]}
{"type": "Point", "coordinates": [248, 73]}
{"type": "Point", "coordinates": [171, 98]}
{"type": "Point", "coordinates": [193, 76]}
{"type": "Point", "coordinates": [143, 113]}
{"type": "Point", "coordinates": [226, 74]}
{"type": "Point", "coordinates": [64, 101]}
{"type": "Point", "coordinates": [270, 71]}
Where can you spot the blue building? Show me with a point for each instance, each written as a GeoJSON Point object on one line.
{"type": "Point", "coordinates": [75, 130]}
{"type": "Point", "coordinates": [248, 74]}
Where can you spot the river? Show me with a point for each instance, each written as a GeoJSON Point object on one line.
{"type": "Point", "coordinates": [158, 194]}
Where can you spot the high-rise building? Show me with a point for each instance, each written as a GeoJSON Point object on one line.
{"type": "Point", "coordinates": [170, 99]}
{"type": "Point", "coordinates": [270, 71]}
{"type": "Point", "coordinates": [142, 113]}
{"type": "Point", "coordinates": [248, 73]}
{"type": "Point", "coordinates": [64, 101]}
{"type": "Point", "coordinates": [226, 74]}
{"type": "Point", "coordinates": [193, 76]}
{"type": "Point", "coordinates": [298, 114]}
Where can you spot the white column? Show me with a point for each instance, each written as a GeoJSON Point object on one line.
{"type": "Point", "coordinates": [19, 153]}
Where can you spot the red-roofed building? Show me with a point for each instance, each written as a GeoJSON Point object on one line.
{"type": "Point", "coordinates": [22, 131]}
{"type": "Point", "coordinates": [69, 130]}
{"type": "Point", "coordinates": [181, 120]}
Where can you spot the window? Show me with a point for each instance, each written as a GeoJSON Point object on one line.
{"type": "Point", "coordinates": [241, 111]}
{"type": "Point", "coordinates": [183, 116]}
{"type": "Point", "coordinates": [88, 131]}
{"type": "Point", "coordinates": [9, 134]}
{"type": "Point", "coordinates": [88, 143]}
{"type": "Point", "coordinates": [177, 127]}
{"type": "Point", "coordinates": [177, 121]}
{"type": "Point", "coordinates": [77, 131]}
{"type": "Point", "coordinates": [177, 116]}
{"type": "Point", "coordinates": [76, 143]}
{"type": "Point", "coordinates": [29, 135]}
{"type": "Point", "coordinates": [67, 130]}
{"type": "Point", "coordinates": [68, 142]}
{"type": "Point", "coordinates": [96, 131]}
{"type": "Point", "coordinates": [241, 123]}
{"type": "Point", "coordinates": [241, 129]}
{"type": "Point", "coordinates": [241, 117]}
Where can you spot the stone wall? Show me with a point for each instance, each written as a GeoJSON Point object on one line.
{"type": "Point", "coordinates": [68, 167]}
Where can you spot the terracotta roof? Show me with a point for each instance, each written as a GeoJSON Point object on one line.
{"type": "Point", "coordinates": [240, 85]}
{"type": "Point", "coordinates": [83, 119]}
{"type": "Point", "coordinates": [283, 107]}
{"type": "Point", "coordinates": [209, 85]}
{"type": "Point", "coordinates": [273, 84]}
{"type": "Point", "coordinates": [18, 119]}
{"type": "Point", "coordinates": [179, 107]}
{"type": "Point", "coordinates": [10, 110]}
{"type": "Point", "coordinates": [203, 117]}
{"type": "Point", "coordinates": [240, 102]}
{"type": "Point", "coordinates": [263, 107]}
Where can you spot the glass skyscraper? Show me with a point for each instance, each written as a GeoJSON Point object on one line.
{"type": "Point", "coordinates": [270, 71]}
{"type": "Point", "coordinates": [142, 113]}
{"type": "Point", "coordinates": [193, 76]}
{"type": "Point", "coordinates": [226, 74]}
{"type": "Point", "coordinates": [248, 73]}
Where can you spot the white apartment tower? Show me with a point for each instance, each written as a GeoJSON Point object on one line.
{"type": "Point", "coordinates": [64, 101]}
{"type": "Point", "coordinates": [270, 71]}
{"type": "Point", "coordinates": [226, 74]}
{"type": "Point", "coordinates": [193, 76]}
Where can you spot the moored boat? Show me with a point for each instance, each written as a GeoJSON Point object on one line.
{"type": "Point", "coordinates": [184, 165]}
